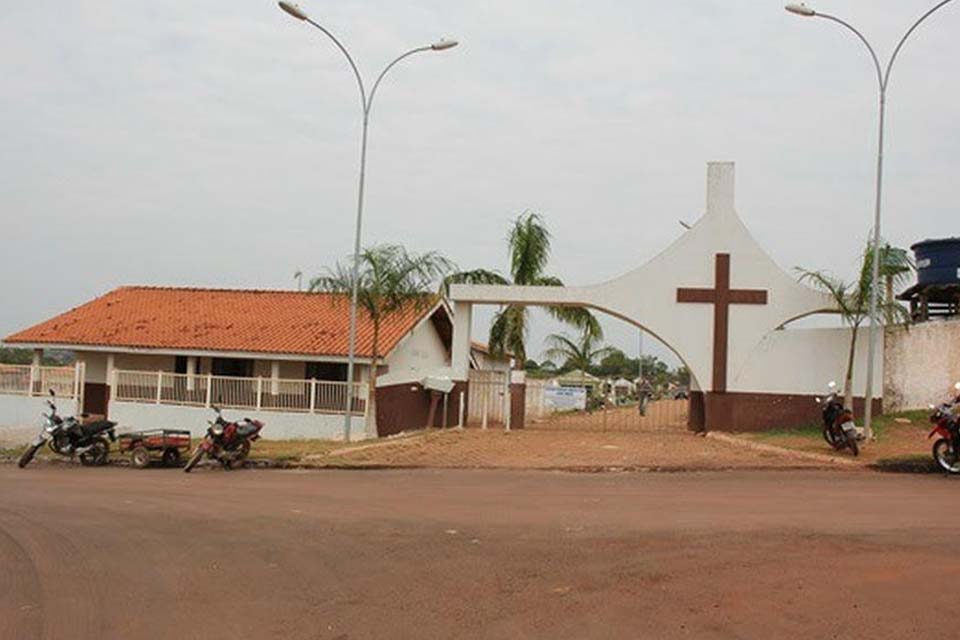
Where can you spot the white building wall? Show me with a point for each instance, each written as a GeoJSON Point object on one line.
{"type": "Point", "coordinates": [132, 416]}
{"type": "Point", "coordinates": [804, 361]}
{"type": "Point", "coordinates": [419, 355]}
{"type": "Point", "coordinates": [922, 364]}
{"type": "Point", "coordinates": [143, 362]}
{"type": "Point", "coordinates": [21, 419]}
{"type": "Point", "coordinates": [95, 364]}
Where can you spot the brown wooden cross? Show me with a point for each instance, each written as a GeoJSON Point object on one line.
{"type": "Point", "coordinates": [721, 297]}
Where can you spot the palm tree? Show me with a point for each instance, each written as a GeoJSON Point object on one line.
{"type": "Point", "coordinates": [390, 281]}
{"type": "Point", "coordinates": [528, 245]}
{"type": "Point", "coordinates": [577, 353]}
{"type": "Point", "coordinates": [853, 298]}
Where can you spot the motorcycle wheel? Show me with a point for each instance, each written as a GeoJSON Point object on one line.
{"type": "Point", "coordinates": [854, 447]}
{"type": "Point", "coordinates": [835, 441]}
{"type": "Point", "coordinates": [194, 459]}
{"type": "Point", "coordinates": [946, 456]}
{"type": "Point", "coordinates": [28, 455]}
{"type": "Point", "coordinates": [244, 452]}
{"type": "Point", "coordinates": [96, 455]}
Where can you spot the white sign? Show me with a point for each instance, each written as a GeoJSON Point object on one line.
{"type": "Point", "coordinates": [565, 398]}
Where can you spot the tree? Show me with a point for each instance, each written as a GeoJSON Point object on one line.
{"type": "Point", "coordinates": [528, 244]}
{"type": "Point", "coordinates": [577, 353]}
{"type": "Point", "coordinates": [390, 280]}
{"type": "Point", "coordinates": [50, 358]}
{"type": "Point", "coordinates": [852, 299]}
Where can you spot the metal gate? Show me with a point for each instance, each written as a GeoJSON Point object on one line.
{"type": "Point", "coordinates": [658, 415]}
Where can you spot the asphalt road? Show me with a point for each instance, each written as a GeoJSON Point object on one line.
{"type": "Point", "coordinates": [118, 553]}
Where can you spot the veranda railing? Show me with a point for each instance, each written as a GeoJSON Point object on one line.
{"type": "Point", "coordinates": [266, 394]}
{"type": "Point", "coordinates": [29, 380]}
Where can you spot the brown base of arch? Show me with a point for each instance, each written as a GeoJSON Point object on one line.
{"type": "Point", "coordinates": [738, 411]}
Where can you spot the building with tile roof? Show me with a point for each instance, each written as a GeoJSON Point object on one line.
{"type": "Point", "coordinates": [160, 356]}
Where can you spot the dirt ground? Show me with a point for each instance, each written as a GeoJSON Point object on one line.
{"type": "Point", "coordinates": [118, 553]}
{"type": "Point", "coordinates": [540, 449]}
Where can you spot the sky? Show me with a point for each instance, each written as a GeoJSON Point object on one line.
{"type": "Point", "coordinates": [217, 143]}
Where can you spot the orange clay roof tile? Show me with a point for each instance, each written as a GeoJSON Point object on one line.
{"type": "Point", "coordinates": [287, 322]}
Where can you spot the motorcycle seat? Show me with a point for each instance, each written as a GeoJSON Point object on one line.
{"type": "Point", "coordinates": [99, 426]}
{"type": "Point", "coordinates": [246, 428]}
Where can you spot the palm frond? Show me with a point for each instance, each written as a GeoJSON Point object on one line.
{"type": "Point", "coordinates": [476, 276]}
{"type": "Point", "coordinates": [529, 248]}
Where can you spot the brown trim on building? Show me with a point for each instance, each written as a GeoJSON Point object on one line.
{"type": "Point", "coordinates": [736, 411]}
{"type": "Point", "coordinates": [697, 412]}
{"type": "Point", "coordinates": [518, 405]}
{"type": "Point", "coordinates": [406, 407]}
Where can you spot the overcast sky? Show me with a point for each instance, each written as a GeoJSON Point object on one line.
{"type": "Point", "coordinates": [216, 143]}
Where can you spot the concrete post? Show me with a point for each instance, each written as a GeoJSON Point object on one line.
{"type": "Point", "coordinates": [460, 360]}
{"type": "Point", "coordinates": [191, 370]}
{"type": "Point", "coordinates": [275, 377]}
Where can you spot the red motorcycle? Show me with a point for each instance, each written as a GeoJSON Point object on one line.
{"type": "Point", "coordinates": [946, 450]}
{"type": "Point", "coordinates": [226, 442]}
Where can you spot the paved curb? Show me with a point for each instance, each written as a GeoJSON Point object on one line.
{"type": "Point", "coordinates": [792, 453]}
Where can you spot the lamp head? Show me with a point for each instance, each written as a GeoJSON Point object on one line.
{"type": "Point", "coordinates": [293, 10]}
{"type": "Point", "coordinates": [801, 10]}
{"type": "Point", "coordinates": [443, 45]}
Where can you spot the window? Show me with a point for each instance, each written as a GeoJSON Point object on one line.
{"type": "Point", "coordinates": [332, 371]}
{"type": "Point", "coordinates": [232, 367]}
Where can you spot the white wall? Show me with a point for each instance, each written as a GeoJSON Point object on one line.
{"type": "Point", "coordinates": [20, 418]}
{"type": "Point", "coordinates": [420, 354]}
{"type": "Point", "coordinates": [132, 416]}
{"type": "Point", "coordinates": [95, 366]}
{"type": "Point", "coordinates": [923, 364]}
{"type": "Point", "coordinates": [143, 362]}
{"type": "Point", "coordinates": [804, 361]}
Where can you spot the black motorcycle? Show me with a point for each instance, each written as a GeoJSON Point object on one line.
{"type": "Point", "coordinates": [838, 428]}
{"type": "Point", "coordinates": [69, 437]}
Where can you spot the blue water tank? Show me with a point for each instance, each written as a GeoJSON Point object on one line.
{"type": "Point", "coordinates": [938, 261]}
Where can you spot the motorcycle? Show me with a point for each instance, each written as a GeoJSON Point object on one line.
{"type": "Point", "coordinates": [226, 442]}
{"type": "Point", "coordinates": [946, 450]}
{"type": "Point", "coordinates": [839, 430]}
{"type": "Point", "coordinates": [69, 437]}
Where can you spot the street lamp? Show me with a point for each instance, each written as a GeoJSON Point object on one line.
{"type": "Point", "coordinates": [883, 78]}
{"type": "Point", "coordinates": [366, 101]}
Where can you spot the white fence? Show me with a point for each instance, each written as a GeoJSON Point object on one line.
{"type": "Point", "coordinates": [488, 397]}
{"type": "Point", "coordinates": [28, 380]}
{"type": "Point", "coordinates": [266, 394]}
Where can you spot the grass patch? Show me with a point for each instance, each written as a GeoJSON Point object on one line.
{"type": "Point", "coordinates": [882, 425]}
{"type": "Point", "coordinates": [12, 452]}
{"type": "Point", "coordinates": [290, 450]}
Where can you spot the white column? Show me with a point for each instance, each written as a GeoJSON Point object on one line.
{"type": "Point", "coordinates": [35, 374]}
{"type": "Point", "coordinates": [275, 377]}
{"type": "Point", "coordinates": [109, 376]}
{"type": "Point", "coordinates": [191, 369]}
{"type": "Point", "coordinates": [460, 361]}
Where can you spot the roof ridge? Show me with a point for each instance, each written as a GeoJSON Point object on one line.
{"type": "Point", "coordinates": [151, 287]}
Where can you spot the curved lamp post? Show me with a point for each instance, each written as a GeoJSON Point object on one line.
{"type": "Point", "coordinates": [883, 78]}
{"type": "Point", "coordinates": [366, 102]}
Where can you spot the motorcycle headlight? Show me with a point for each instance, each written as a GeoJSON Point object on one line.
{"type": "Point", "coordinates": [217, 430]}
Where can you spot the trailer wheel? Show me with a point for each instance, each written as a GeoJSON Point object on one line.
{"type": "Point", "coordinates": [171, 457]}
{"type": "Point", "coordinates": [140, 457]}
